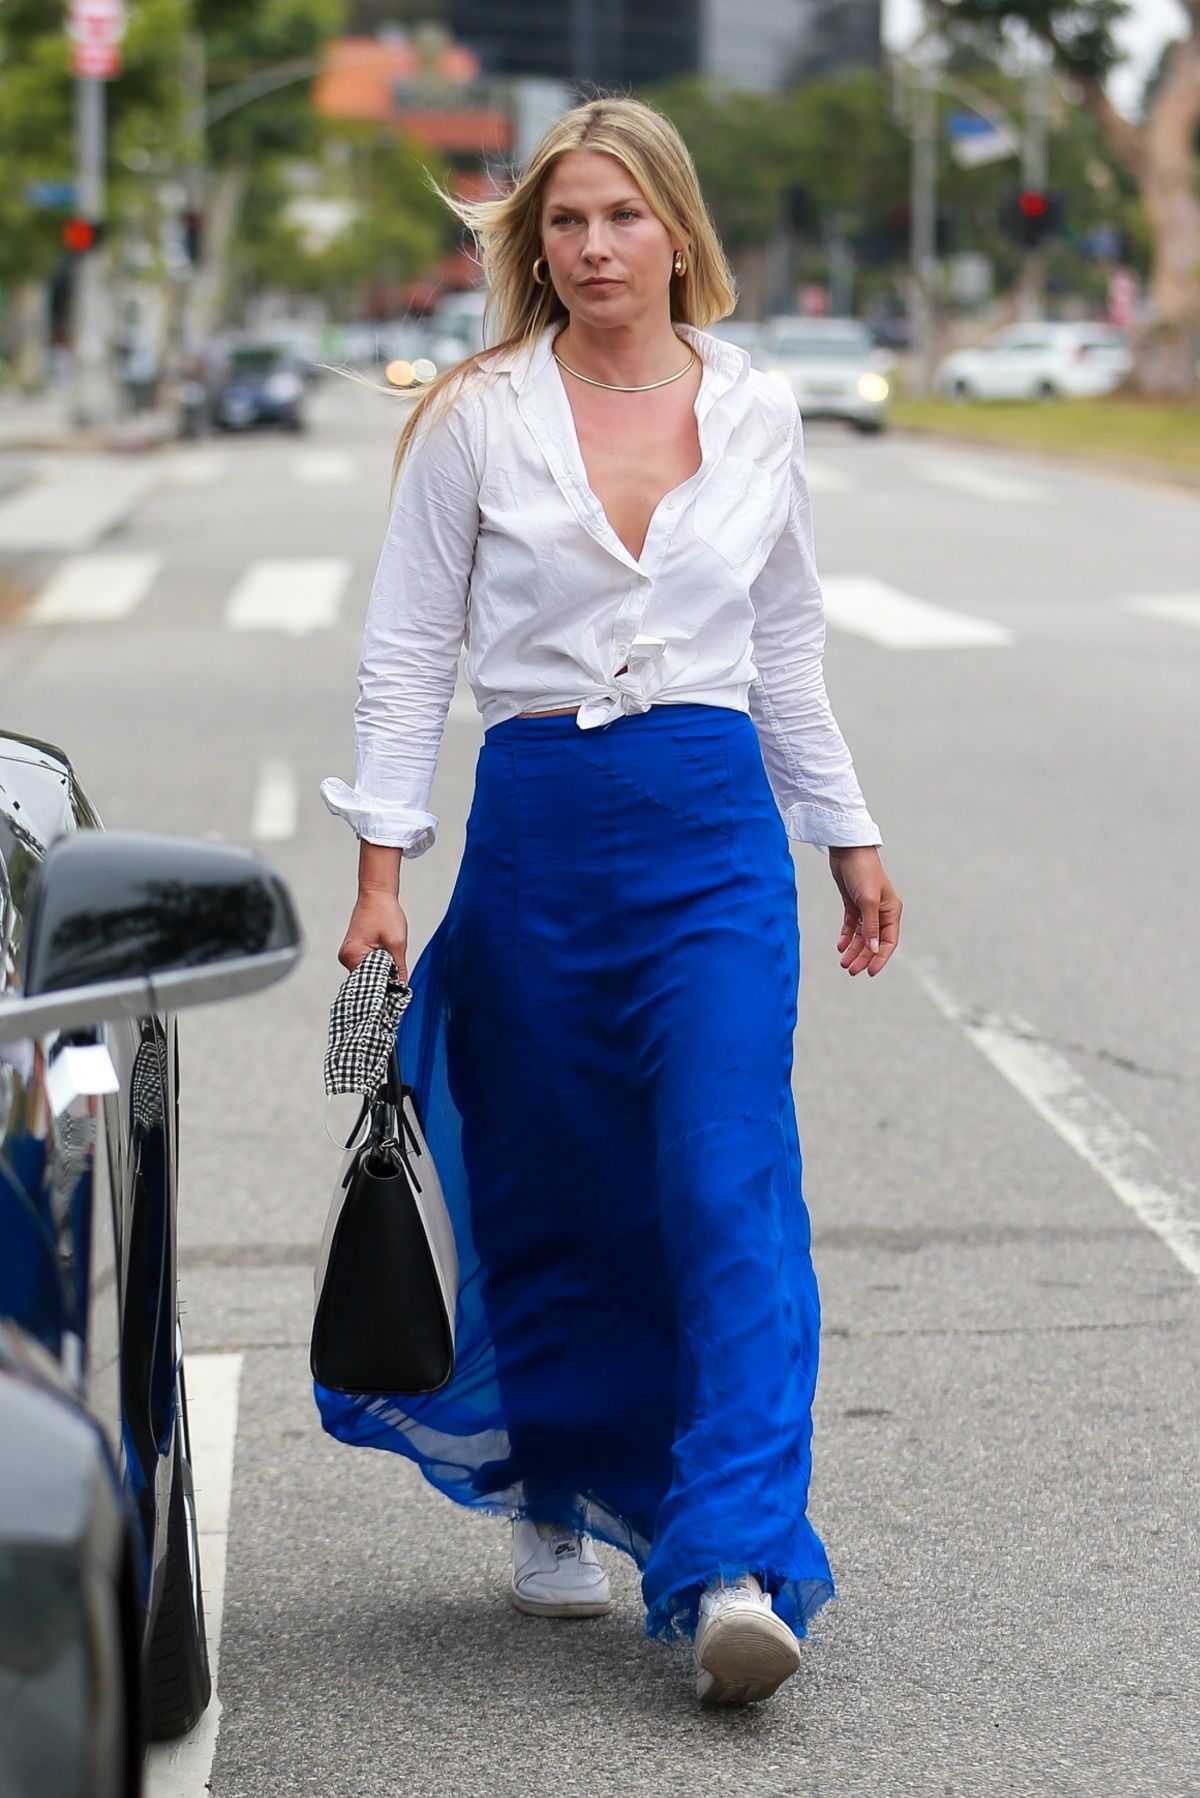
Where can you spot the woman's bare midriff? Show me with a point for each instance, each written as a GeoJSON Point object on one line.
{"type": "Point", "coordinates": [555, 711]}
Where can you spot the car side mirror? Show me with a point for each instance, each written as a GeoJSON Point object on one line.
{"type": "Point", "coordinates": [121, 923]}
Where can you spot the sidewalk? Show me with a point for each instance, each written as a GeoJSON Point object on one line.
{"type": "Point", "coordinates": [43, 422]}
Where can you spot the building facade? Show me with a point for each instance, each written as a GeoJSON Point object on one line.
{"type": "Point", "coordinates": [757, 45]}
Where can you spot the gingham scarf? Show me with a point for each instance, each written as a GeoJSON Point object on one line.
{"type": "Point", "coordinates": [362, 1026]}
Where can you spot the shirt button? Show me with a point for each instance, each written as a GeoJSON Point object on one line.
{"type": "Point", "coordinates": [670, 505]}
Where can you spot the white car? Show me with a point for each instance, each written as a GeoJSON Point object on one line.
{"type": "Point", "coordinates": [1038, 362]}
{"type": "Point", "coordinates": [832, 367]}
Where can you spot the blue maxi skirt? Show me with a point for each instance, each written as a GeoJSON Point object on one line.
{"type": "Point", "coordinates": [601, 1046]}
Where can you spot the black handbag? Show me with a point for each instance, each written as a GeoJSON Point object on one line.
{"type": "Point", "coordinates": [387, 1273]}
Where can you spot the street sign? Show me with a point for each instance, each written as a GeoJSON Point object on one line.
{"type": "Point", "coordinates": [975, 140]}
{"type": "Point", "coordinates": [50, 196]}
{"type": "Point", "coordinates": [95, 28]}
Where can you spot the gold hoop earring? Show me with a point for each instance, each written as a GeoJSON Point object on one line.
{"type": "Point", "coordinates": [681, 263]}
{"type": "Point", "coordinates": [544, 278]}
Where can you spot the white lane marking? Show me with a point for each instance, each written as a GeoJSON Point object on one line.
{"type": "Point", "coordinates": [276, 802]}
{"type": "Point", "coordinates": [198, 468]}
{"type": "Point", "coordinates": [74, 503]}
{"type": "Point", "coordinates": [823, 477]}
{"type": "Point", "coordinates": [869, 608]}
{"type": "Point", "coordinates": [95, 589]}
{"type": "Point", "coordinates": [978, 483]}
{"type": "Point", "coordinates": [291, 594]}
{"type": "Point", "coordinates": [1175, 608]}
{"type": "Point", "coordinates": [1127, 1160]}
{"type": "Point", "coordinates": [324, 468]}
{"type": "Point", "coordinates": [182, 1769]}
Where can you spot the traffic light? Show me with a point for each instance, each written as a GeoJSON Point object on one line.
{"type": "Point", "coordinates": [81, 235]}
{"type": "Point", "coordinates": [1031, 215]}
{"type": "Point", "coordinates": [193, 236]}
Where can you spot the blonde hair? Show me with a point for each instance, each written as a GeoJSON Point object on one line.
{"type": "Point", "coordinates": [508, 232]}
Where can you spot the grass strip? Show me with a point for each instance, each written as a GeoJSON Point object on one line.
{"type": "Point", "coordinates": [1148, 432]}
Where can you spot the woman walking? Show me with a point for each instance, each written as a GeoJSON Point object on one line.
{"type": "Point", "coordinates": [609, 510]}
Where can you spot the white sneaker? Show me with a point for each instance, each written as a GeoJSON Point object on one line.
{"type": "Point", "coordinates": [556, 1573]}
{"type": "Point", "coordinates": [743, 1651]}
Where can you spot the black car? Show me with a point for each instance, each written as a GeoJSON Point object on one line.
{"type": "Point", "coordinates": [260, 384]}
{"type": "Point", "coordinates": [103, 935]}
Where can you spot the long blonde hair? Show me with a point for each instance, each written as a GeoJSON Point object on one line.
{"type": "Point", "coordinates": [509, 236]}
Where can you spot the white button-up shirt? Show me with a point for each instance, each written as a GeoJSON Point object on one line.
{"type": "Point", "coordinates": [497, 541]}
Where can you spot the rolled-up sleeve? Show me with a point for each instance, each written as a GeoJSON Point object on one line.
{"type": "Point", "coordinates": [415, 625]}
{"type": "Point", "coordinates": [804, 752]}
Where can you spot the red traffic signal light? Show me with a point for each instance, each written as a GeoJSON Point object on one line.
{"type": "Point", "coordinates": [1031, 215]}
{"type": "Point", "coordinates": [81, 235]}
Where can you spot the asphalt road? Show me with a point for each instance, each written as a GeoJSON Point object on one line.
{"type": "Point", "coordinates": [1000, 1138]}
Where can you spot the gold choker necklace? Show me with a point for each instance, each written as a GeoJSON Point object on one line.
{"type": "Point", "coordinates": [612, 386]}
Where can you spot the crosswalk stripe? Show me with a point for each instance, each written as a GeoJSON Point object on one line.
{"type": "Point", "coordinates": [75, 503]}
{"type": "Point", "coordinates": [869, 608]}
{"type": "Point", "coordinates": [197, 468]}
{"type": "Point", "coordinates": [273, 819]}
{"type": "Point", "coordinates": [295, 594]}
{"type": "Point", "coordinates": [1175, 608]}
{"type": "Point", "coordinates": [979, 483]}
{"type": "Point", "coordinates": [95, 589]}
{"type": "Point", "coordinates": [324, 468]}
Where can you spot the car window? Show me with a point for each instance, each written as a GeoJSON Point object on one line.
{"type": "Point", "coordinates": [814, 345]}
{"type": "Point", "coordinates": [255, 361]}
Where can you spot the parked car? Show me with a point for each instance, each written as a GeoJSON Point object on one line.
{"type": "Point", "coordinates": [743, 332]}
{"type": "Point", "coordinates": [103, 935]}
{"type": "Point", "coordinates": [832, 367]}
{"type": "Point", "coordinates": [1038, 362]}
{"type": "Point", "coordinates": [260, 384]}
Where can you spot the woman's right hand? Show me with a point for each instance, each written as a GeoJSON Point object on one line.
{"type": "Point", "coordinates": [377, 921]}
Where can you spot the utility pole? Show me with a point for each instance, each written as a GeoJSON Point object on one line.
{"type": "Point", "coordinates": [923, 215]}
{"type": "Point", "coordinates": [96, 28]}
{"type": "Point", "coordinates": [1034, 172]}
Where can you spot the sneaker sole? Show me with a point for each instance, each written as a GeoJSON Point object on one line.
{"type": "Point", "coordinates": [549, 1607]}
{"type": "Point", "coordinates": [745, 1659]}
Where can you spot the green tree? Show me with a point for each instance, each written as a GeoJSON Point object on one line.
{"type": "Point", "coordinates": [1159, 154]}
{"type": "Point", "coordinates": [260, 64]}
{"type": "Point", "coordinates": [37, 137]}
{"type": "Point", "coordinates": [395, 223]}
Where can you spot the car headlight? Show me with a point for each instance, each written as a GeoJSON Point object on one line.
{"type": "Point", "coordinates": [873, 388]}
{"type": "Point", "coordinates": [283, 388]}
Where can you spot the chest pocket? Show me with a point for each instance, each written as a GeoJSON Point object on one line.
{"type": "Point", "coordinates": [732, 510]}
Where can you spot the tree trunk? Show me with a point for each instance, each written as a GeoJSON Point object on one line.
{"type": "Point", "coordinates": [1161, 157]}
{"type": "Point", "coordinates": [750, 273]}
{"type": "Point", "coordinates": [207, 297]}
{"type": "Point", "coordinates": [1165, 351]}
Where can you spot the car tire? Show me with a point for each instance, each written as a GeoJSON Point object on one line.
{"type": "Point", "coordinates": [869, 427]}
{"type": "Point", "coordinates": [1047, 392]}
{"type": "Point", "coordinates": [178, 1676]}
{"type": "Point", "coordinates": [960, 392]}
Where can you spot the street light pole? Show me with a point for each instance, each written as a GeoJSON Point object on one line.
{"type": "Point", "coordinates": [1033, 175]}
{"type": "Point", "coordinates": [923, 220]}
{"type": "Point", "coordinates": [93, 395]}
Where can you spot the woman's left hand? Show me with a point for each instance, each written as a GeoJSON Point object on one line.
{"type": "Point", "coordinates": [871, 927]}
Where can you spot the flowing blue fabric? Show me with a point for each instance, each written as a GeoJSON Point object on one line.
{"type": "Point", "coordinates": [601, 1046]}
